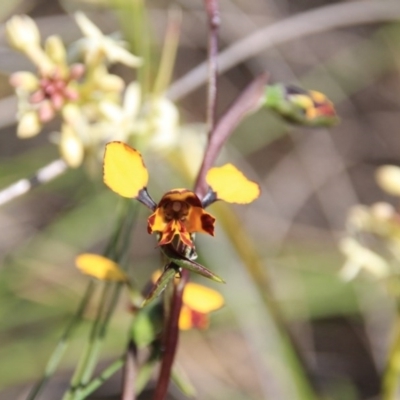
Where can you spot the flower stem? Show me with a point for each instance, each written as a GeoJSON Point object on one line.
{"type": "Point", "coordinates": [62, 344]}
{"type": "Point", "coordinates": [134, 20]}
{"type": "Point", "coordinates": [97, 382]}
{"type": "Point", "coordinates": [88, 361]}
{"type": "Point", "coordinates": [145, 371]}
{"type": "Point", "coordinates": [116, 249]}
{"type": "Point", "coordinates": [85, 367]}
{"type": "Point", "coordinates": [171, 337]}
{"type": "Point", "coordinates": [169, 51]}
{"type": "Point", "coordinates": [246, 103]}
{"type": "Point", "coordinates": [211, 7]}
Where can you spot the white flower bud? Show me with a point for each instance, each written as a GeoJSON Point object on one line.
{"type": "Point", "coordinates": [388, 178]}
{"type": "Point", "coordinates": [29, 125]}
{"type": "Point", "coordinates": [22, 32]}
{"type": "Point", "coordinates": [71, 147]}
{"type": "Point", "coordinates": [24, 80]}
{"type": "Point", "coordinates": [55, 49]}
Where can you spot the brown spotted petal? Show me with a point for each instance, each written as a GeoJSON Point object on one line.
{"type": "Point", "coordinates": [156, 222]}
{"type": "Point", "coordinates": [200, 221]}
{"type": "Point", "coordinates": [180, 212]}
{"type": "Point", "coordinates": [175, 228]}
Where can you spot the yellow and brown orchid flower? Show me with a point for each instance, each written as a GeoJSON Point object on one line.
{"type": "Point", "coordinates": [180, 212]}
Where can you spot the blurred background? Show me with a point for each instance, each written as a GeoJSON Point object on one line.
{"type": "Point", "coordinates": [310, 177]}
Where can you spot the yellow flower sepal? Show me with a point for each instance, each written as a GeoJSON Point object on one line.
{"type": "Point", "coordinates": [198, 302]}
{"type": "Point", "coordinates": [124, 173]}
{"type": "Point", "coordinates": [124, 170]}
{"type": "Point", "coordinates": [202, 298]}
{"type": "Point", "coordinates": [100, 267]}
{"type": "Point", "coordinates": [230, 185]}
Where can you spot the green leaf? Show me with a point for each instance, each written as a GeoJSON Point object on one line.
{"type": "Point", "coordinates": [191, 265]}
{"type": "Point", "coordinates": [160, 285]}
{"type": "Point", "coordinates": [181, 380]}
{"type": "Point", "coordinates": [147, 325]}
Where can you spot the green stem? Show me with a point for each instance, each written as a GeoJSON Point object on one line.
{"type": "Point", "coordinates": [62, 344]}
{"type": "Point", "coordinates": [97, 382]}
{"type": "Point", "coordinates": [390, 382]}
{"type": "Point", "coordinates": [98, 333]}
{"type": "Point", "coordinates": [117, 247]}
{"type": "Point", "coordinates": [123, 244]}
{"type": "Point", "coordinates": [145, 372]}
{"type": "Point", "coordinates": [85, 367]}
{"type": "Point", "coordinates": [169, 51]}
{"type": "Point", "coordinates": [88, 361]}
{"type": "Point", "coordinates": [124, 211]}
{"type": "Point", "coordinates": [179, 377]}
{"type": "Point", "coordinates": [135, 24]}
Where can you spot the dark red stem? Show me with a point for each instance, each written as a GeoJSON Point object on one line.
{"type": "Point", "coordinates": [171, 337]}
{"type": "Point", "coordinates": [213, 22]}
{"type": "Point", "coordinates": [248, 101]}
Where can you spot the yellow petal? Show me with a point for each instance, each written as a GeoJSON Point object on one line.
{"type": "Point", "coordinates": [388, 178]}
{"type": "Point", "coordinates": [100, 267]}
{"type": "Point", "coordinates": [302, 100]}
{"type": "Point", "coordinates": [199, 220]}
{"type": "Point", "coordinates": [124, 170]}
{"type": "Point", "coordinates": [156, 221]}
{"type": "Point", "coordinates": [231, 185]}
{"type": "Point", "coordinates": [189, 319]}
{"type": "Point", "coordinates": [201, 298]}
{"type": "Point", "coordinates": [318, 97]}
{"type": "Point", "coordinates": [185, 319]}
